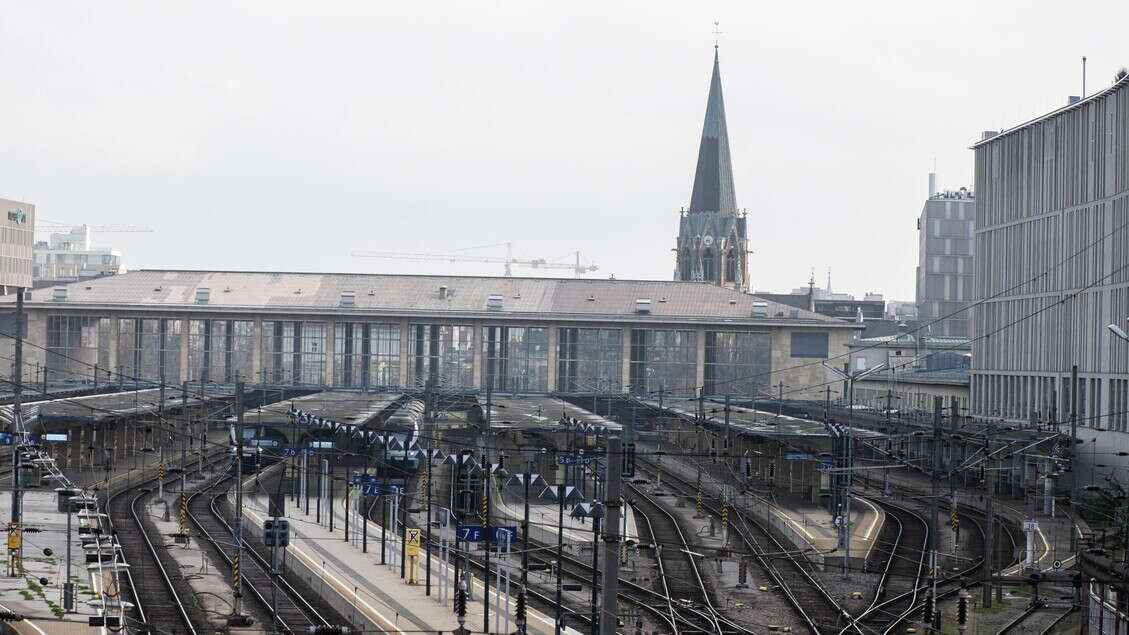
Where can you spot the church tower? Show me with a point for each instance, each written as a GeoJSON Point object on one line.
{"type": "Point", "coordinates": [712, 238]}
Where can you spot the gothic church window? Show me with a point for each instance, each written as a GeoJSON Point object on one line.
{"type": "Point", "coordinates": [708, 265]}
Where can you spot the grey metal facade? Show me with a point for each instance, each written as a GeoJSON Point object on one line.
{"type": "Point", "coordinates": [946, 254]}
{"type": "Point", "coordinates": [1052, 269]}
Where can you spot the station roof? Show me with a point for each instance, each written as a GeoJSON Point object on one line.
{"type": "Point", "coordinates": [542, 412]}
{"type": "Point", "coordinates": [418, 296]}
{"type": "Point", "coordinates": [357, 408]}
{"type": "Point", "coordinates": [766, 424]}
{"type": "Point", "coordinates": [119, 404]}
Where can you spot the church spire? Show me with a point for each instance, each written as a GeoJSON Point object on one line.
{"type": "Point", "coordinates": [713, 178]}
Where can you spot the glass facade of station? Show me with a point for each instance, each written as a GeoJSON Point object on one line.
{"type": "Point", "coordinates": [220, 350]}
{"type": "Point", "coordinates": [589, 360]}
{"type": "Point", "coordinates": [294, 352]}
{"type": "Point", "coordinates": [442, 354]}
{"type": "Point", "coordinates": [366, 355]}
{"type": "Point", "coordinates": [149, 349]}
{"type": "Point", "coordinates": [75, 344]}
{"type": "Point", "coordinates": [737, 363]}
{"type": "Point", "coordinates": [371, 355]}
{"type": "Point", "coordinates": [663, 360]}
{"type": "Point", "coordinates": [516, 358]}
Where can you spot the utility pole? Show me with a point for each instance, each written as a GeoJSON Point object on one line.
{"type": "Point", "coordinates": [934, 507]}
{"type": "Point", "coordinates": [525, 536]}
{"type": "Point", "coordinates": [1074, 439]}
{"type": "Point", "coordinates": [185, 434]}
{"type": "Point", "coordinates": [15, 428]}
{"type": "Point", "coordinates": [614, 487]}
{"type": "Point", "coordinates": [237, 522]}
{"type": "Point", "coordinates": [561, 489]}
{"type": "Point", "coordinates": [486, 506]}
{"type": "Point", "coordinates": [989, 515]}
{"type": "Point", "coordinates": [780, 400]}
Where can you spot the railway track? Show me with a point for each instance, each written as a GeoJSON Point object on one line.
{"type": "Point", "coordinates": [681, 579]}
{"type": "Point", "coordinates": [904, 557]}
{"type": "Point", "coordinates": [292, 612]}
{"type": "Point", "coordinates": [796, 580]}
{"type": "Point", "coordinates": [153, 591]}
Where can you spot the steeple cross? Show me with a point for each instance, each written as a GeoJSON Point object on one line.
{"type": "Point", "coordinates": [716, 33]}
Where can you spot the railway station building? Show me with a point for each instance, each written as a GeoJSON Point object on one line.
{"type": "Point", "coordinates": [361, 331]}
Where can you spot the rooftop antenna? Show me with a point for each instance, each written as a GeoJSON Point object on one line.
{"type": "Point", "coordinates": [829, 282]}
{"type": "Point", "coordinates": [716, 33]}
{"type": "Point", "coordinates": [1083, 77]}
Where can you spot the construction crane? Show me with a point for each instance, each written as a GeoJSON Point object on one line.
{"type": "Point", "coordinates": [509, 261]}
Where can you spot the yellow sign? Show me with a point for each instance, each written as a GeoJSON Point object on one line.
{"type": "Point", "coordinates": [413, 542]}
{"type": "Point", "coordinates": [14, 535]}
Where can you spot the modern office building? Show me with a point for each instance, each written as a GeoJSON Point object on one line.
{"type": "Point", "coordinates": [945, 260]}
{"type": "Point", "coordinates": [71, 256]}
{"type": "Point", "coordinates": [529, 335]}
{"type": "Point", "coordinates": [1052, 270]}
{"type": "Point", "coordinates": [16, 242]}
{"type": "Point", "coordinates": [712, 244]}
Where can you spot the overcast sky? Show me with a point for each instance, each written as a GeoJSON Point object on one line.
{"type": "Point", "coordinates": [281, 135]}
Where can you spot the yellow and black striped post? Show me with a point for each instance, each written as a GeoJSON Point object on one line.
{"type": "Point", "coordinates": [484, 513]}
{"type": "Point", "coordinates": [954, 522]}
{"type": "Point", "coordinates": [236, 578]}
{"type": "Point", "coordinates": [725, 521]}
{"type": "Point", "coordinates": [183, 509]}
{"type": "Point", "coordinates": [161, 470]}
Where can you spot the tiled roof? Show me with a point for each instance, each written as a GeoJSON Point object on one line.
{"type": "Point", "coordinates": [406, 294]}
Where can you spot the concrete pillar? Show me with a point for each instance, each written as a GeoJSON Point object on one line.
{"type": "Point", "coordinates": [257, 350]}
{"type": "Point", "coordinates": [405, 354]}
{"type": "Point", "coordinates": [330, 352]}
{"type": "Point", "coordinates": [625, 359]}
{"type": "Point", "coordinates": [479, 381]}
{"type": "Point", "coordinates": [183, 348]}
{"type": "Point", "coordinates": [552, 374]}
{"type": "Point", "coordinates": [700, 358]}
{"type": "Point", "coordinates": [115, 339]}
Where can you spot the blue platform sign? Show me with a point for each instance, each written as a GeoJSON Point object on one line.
{"type": "Point", "coordinates": [573, 459]}
{"type": "Point", "coordinates": [825, 465]}
{"type": "Point", "coordinates": [379, 489]}
{"type": "Point", "coordinates": [503, 534]}
{"type": "Point", "coordinates": [361, 479]}
{"type": "Point", "coordinates": [477, 533]}
{"type": "Point", "coordinates": [290, 452]}
{"type": "Point", "coordinates": [5, 438]}
{"type": "Point", "coordinates": [797, 456]}
{"type": "Point", "coordinates": [470, 533]}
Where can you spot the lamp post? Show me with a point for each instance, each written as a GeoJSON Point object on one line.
{"type": "Point", "coordinates": [848, 451]}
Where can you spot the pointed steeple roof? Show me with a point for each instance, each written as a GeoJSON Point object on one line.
{"type": "Point", "coordinates": [713, 178]}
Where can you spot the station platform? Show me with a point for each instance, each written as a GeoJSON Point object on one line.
{"type": "Point", "coordinates": [372, 595]}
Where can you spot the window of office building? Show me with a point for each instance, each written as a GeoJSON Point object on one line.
{"type": "Point", "coordinates": [737, 363]}
{"type": "Point", "coordinates": [149, 349]}
{"type": "Point", "coordinates": [589, 360]}
{"type": "Point", "coordinates": [220, 350]}
{"type": "Point", "coordinates": [75, 345]}
{"type": "Point", "coordinates": [442, 354]}
{"type": "Point", "coordinates": [517, 358]}
{"type": "Point", "coordinates": [663, 360]}
{"type": "Point", "coordinates": [294, 352]}
{"type": "Point", "coordinates": [366, 355]}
